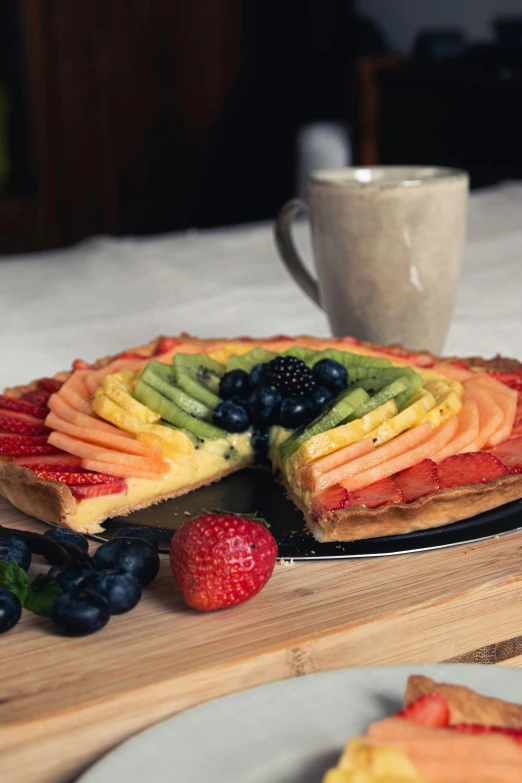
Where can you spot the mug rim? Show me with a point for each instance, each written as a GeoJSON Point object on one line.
{"type": "Point", "coordinates": [392, 176]}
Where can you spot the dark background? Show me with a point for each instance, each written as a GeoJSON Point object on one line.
{"type": "Point", "coordinates": [148, 116]}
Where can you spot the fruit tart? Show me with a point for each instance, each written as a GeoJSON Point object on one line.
{"type": "Point", "coordinates": [369, 440]}
{"type": "Point", "coordinates": [444, 734]}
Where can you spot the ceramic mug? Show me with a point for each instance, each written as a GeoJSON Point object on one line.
{"type": "Point", "coordinates": [388, 244]}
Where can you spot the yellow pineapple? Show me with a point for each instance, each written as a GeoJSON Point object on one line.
{"type": "Point", "coordinates": [431, 377]}
{"type": "Point", "coordinates": [178, 444]}
{"type": "Point", "coordinates": [447, 406]}
{"type": "Point", "coordinates": [223, 354]}
{"type": "Point", "coordinates": [410, 417]}
{"type": "Point", "coordinates": [118, 388]}
{"type": "Point", "coordinates": [364, 763]}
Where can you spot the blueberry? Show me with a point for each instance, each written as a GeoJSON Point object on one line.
{"type": "Point", "coordinates": [16, 550]}
{"type": "Point", "coordinates": [296, 411]}
{"type": "Point", "coordinates": [240, 400]}
{"type": "Point", "coordinates": [63, 536]}
{"type": "Point", "coordinates": [70, 578]}
{"type": "Point", "coordinates": [120, 588]}
{"type": "Point", "coordinates": [80, 613]}
{"type": "Point", "coordinates": [231, 417]}
{"type": "Point", "coordinates": [129, 554]}
{"type": "Point", "coordinates": [262, 403]}
{"type": "Point", "coordinates": [332, 374]}
{"type": "Point", "coordinates": [138, 532]}
{"type": "Point", "coordinates": [10, 610]}
{"type": "Point", "coordinates": [257, 376]}
{"type": "Point", "coordinates": [320, 398]}
{"type": "Point", "coordinates": [261, 442]}
{"type": "Point", "coordinates": [233, 383]}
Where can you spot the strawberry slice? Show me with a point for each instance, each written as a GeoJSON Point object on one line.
{"type": "Point", "coordinates": [350, 340]}
{"type": "Point", "coordinates": [79, 364]}
{"type": "Point", "coordinates": [380, 493]}
{"type": "Point", "coordinates": [418, 481]}
{"type": "Point", "coordinates": [128, 355]}
{"type": "Point", "coordinates": [22, 424]}
{"type": "Point", "coordinates": [74, 479]}
{"type": "Point", "coordinates": [15, 446]}
{"type": "Point", "coordinates": [511, 379]}
{"type": "Point", "coordinates": [166, 344]}
{"type": "Point", "coordinates": [37, 397]}
{"type": "Point", "coordinates": [510, 454]}
{"type": "Point", "coordinates": [430, 710]}
{"type": "Point", "coordinates": [60, 461]}
{"type": "Point", "coordinates": [22, 406]}
{"type": "Point", "coordinates": [333, 499]}
{"type": "Point", "coordinates": [475, 467]}
{"type": "Point", "coordinates": [478, 728]}
{"type": "Point", "coordinates": [96, 490]}
{"type": "Point", "coordinates": [50, 384]}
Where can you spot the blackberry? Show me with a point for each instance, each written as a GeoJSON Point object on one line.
{"type": "Point", "coordinates": [291, 376]}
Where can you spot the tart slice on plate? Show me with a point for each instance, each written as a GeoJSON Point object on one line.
{"type": "Point", "coordinates": [369, 440]}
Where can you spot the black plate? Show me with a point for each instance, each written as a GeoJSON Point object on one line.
{"type": "Point", "coordinates": [255, 491]}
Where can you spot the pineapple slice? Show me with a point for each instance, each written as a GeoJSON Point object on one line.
{"type": "Point", "coordinates": [410, 417]}
{"type": "Point", "coordinates": [124, 420]}
{"type": "Point", "coordinates": [447, 406]}
{"type": "Point", "coordinates": [431, 378]}
{"type": "Point", "coordinates": [331, 440]}
{"type": "Point", "coordinates": [118, 388]}
{"type": "Point", "coordinates": [223, 354]}
{"type": "Point", "coordinates": [364, 763]}
{"type": "Point", "coordinates": [178, 445]}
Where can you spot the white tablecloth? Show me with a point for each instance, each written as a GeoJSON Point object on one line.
{"type": "Point", "coordinates": [105, 294]}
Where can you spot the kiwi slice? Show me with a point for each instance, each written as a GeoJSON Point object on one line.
{"type": "Point", "coordinates": [338, 411]}
{"type": "Point", "coordinates": [172, 413]}
{"type": "Point", "coordinates": [372, 379]}
{"type": "Point", "coordinates": [164, 384]}
{"type": "Point", "coordinates": [392, 390]}
{"type": "Point", "coordinates": [307, 355]}
{"type": "Point", "coordinates": [348, 359]}
{"type": "Point", "coordinates": [199, 376]}
{"type": "Point", "coordinates": [248, 361]}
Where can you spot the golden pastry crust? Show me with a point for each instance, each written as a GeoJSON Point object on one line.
{"type": "Point", "coordinates": [465, 705]}
{"type": "Point", "coordinates": [54, 502]}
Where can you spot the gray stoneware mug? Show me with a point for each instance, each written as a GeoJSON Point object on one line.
{"type": "Point", "coordinates": [388, 244]}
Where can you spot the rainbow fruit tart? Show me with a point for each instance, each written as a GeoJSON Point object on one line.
{"type": "Point", "coordinates": [444, 734]}
{"type": "Point", "coordinates": [368, 440]}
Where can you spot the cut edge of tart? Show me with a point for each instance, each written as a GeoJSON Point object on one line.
{"type": "Point", "coordinates": [86, 501]}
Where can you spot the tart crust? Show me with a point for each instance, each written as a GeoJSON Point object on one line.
{"type": "Point", "coordinates": [53, 502]}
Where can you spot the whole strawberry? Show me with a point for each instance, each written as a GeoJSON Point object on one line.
{"type": "Point", "coordinates": [221, 560]}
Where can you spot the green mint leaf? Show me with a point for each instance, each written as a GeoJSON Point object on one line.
{"type": "Point", "coordinates": [42, 595]}
{"type": "Point", "coordinates": [14, 579]}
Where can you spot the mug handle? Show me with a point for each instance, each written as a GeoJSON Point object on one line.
{"type": "Point", "coordinates": [287, 251]}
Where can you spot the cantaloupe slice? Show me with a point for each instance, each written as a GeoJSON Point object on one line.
{"type": "Point", "coordinates": [454, 371]}
{"type": "Point", "coordinates": [379, 456]}
{"type": "Point", "coordinates": [75, 393]}
{"type": "Point", "coordinates": [95, 377]}
{"type": "Point", "coordinates": [467, 432]}
{"type": "Point", "coordinates": [491, 417]}
{"type": "Point", "coordinates": [104, 439]}
{"type": "Point", "coordinates": [64, 411]}
{"type": "Point", "coordinates": [507, 399]}
{"type": "Point", "coordinates": [85, 450]}
{"type": "Point", "coordinates": [308, 476]}
{"type": "Point", "coordinates": [433, 444]}
{"type": "Point", "coordinates": [118, 470]}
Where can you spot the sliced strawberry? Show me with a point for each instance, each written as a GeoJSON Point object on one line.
{"type": "Point", "coordinates": [60, 461]}
{"type": "Point", "coordinates": [511, 379]}
{"type": "Point", "coordinates": [350, 340]}
{"type": "Point", "coordinates": [475, 467]}
{"type": "Point", "coordinates": [419, 480]}
{"type": "Point", "coordinates": [478, 728]}
{"type": "Point", "coordinates": [37, 397]}
{"type": "Point", "coordinates": [22, 424]}
{"type": "Point", "coordinates": [333, 499]}
{"type": "Point", "coordinates": [460, 365]}
{"type": "Point", "coordinates": [430, 710]}
{"type": "Point", "coordinates": [79, 364]}
{"type": "Point", "coordinates": [509, 453]}
{"type": "Point", "coordinates": [516, 432]}
{"type": "Point", "coordinates": [380, 493]}
{"type": "Point", "coordinates": [18, 446]}
{"type": "Point", "coordinates": [22, 406]}
{"type": "Point", "coordinates": [128, 355]}
{"type": "Point", "coordinates": [50, 384]}
{"type": "Point", "coordinates": [167, 344]}
{"type": "Point", "coordinates": [96, 490]}
{"type": "Point", "coordinates": [74, 479]}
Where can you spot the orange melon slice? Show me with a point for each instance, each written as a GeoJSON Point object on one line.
{"type": "Point", "coordinates": [309, 475]}
{"type": "Point", "coordinates": [424, 450]}
{"type": "Point", "coordinates": [507, 400]}
{"type": "Point", "coordinates": [124, 471]}
{"type": "Point", "coordinates": [491, 417]}
{"type": "Point", "coordinates": [101, 438]}
{"type": "Point", "coordinates": [64, 411]}
{"type": "Point", "coordinates": [454, 371]}
{"type": "Point", "coordinates": [85, 450]}
{"type": "Point", "coordinates": [95, 377]}
{"type": "Point", "coordinates": [467, 432]}
{"type": "Point", "coordinates": [381, 455]}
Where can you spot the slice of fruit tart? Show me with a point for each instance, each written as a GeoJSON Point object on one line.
{"type": "Point", "coordinates": [369, 440]}
{"type": "Point", "coordinates": [444, 734]}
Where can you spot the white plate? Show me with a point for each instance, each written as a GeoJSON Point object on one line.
{"type": "Point", "coordinates": [284, 732]}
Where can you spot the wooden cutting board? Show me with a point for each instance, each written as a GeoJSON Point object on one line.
{"type": "Point", "coordinates": [64, 702]}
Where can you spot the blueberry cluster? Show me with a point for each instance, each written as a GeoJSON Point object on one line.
{"type": "Point", "coordinates": [283, 391]}
{"type": "Point", "coordinates": [92, 590]}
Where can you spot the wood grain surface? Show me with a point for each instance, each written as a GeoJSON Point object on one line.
{"type": "Point", "coordinates": [64, 702]}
